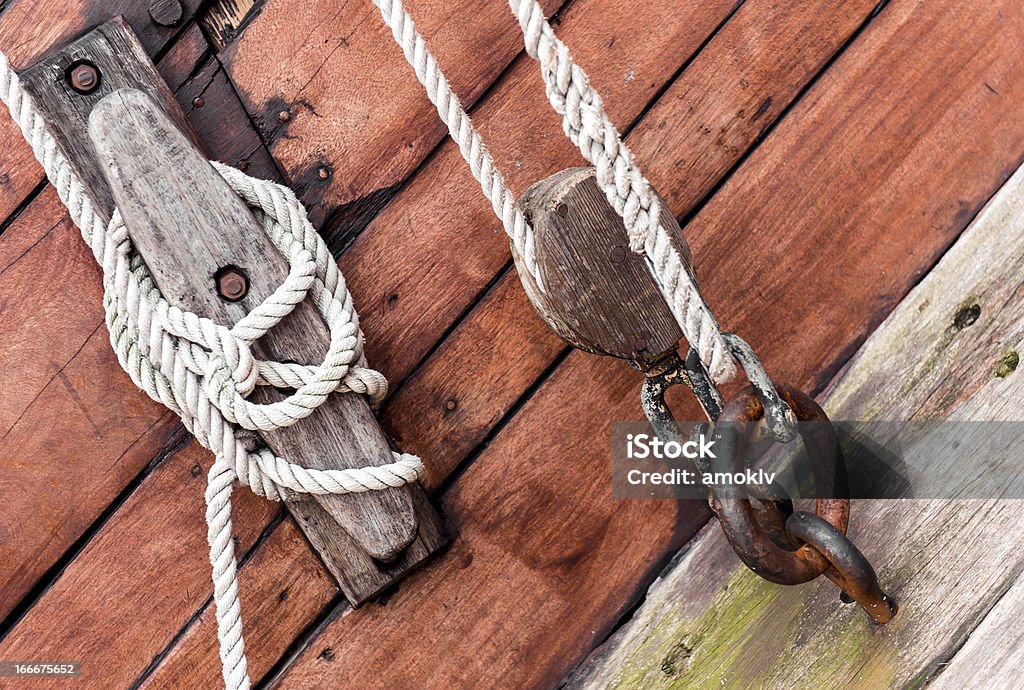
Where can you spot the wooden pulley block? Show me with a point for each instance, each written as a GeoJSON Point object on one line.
{"type": "Point", "coordinates": [597, 294]}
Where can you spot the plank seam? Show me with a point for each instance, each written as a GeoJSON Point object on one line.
{"type": "Point", "coordinates": [32, 195]}
{"type": "Point", "coordinates": [697, 207]}
{"type": "Point", "coordinates": [178, 441]}
{"type": "Point", "coordinates": [274, 523]}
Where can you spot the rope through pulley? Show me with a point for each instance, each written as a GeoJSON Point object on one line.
{"type": "Point", "coordinates": [713, 354]}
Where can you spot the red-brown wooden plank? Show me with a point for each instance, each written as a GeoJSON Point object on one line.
{"type": "Point", "coordinates": [303, 589]}
{"type": "Point", "coordinates": [861, 187]}
{"type": "Point", "coordinates": [98, 621]}
{"type": "Point", "coordinates": [351, 102]}
{"type": "Point", "coordinates": [61, 403]}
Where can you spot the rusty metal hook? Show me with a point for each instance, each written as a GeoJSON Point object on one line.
{"type": "Point", "coordinates": [773, 540]}
{"type": "Point", "coordinates": [759, 537]}
{"type": "Point", "coordinates": [847, 566]}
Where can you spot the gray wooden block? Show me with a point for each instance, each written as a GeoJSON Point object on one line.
{"type": "Point", "coordinates": [598, 295]}
{"type": "Point", "coordinates": [187, 224]}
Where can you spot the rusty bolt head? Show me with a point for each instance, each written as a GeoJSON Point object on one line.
{"type": "Point", "coordinates": [451, 404]}
{"type": "Point", "coordinates": [243, 165]}
{"type": "Point", "coordinates": [323, 173]}
{"type": "Point", "coordinates": [617, 255]}
{"type": "Point", "coordinates": [198, 102]}
{"type": "Point", "coordinates": [284, 116]}
{"type": "Point", "coordinates": [232, 283]}
{"type": "Point", "coordinates": [562, 210]}
{"type": "Point", "coordinates": [83, 77]}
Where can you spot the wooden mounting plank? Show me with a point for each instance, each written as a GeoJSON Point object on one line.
{"type": "Point", "coordinates": [807, 37]}
{"type": "Point", "coordinates": [947, 561]}
{"type": "Point", "coordinates": [63, 391]}
{"type": "Point", "coordinates": [29, 28]}
{"type": "Point", "coordinates": [381, 525]}
{"type": "Point", "coordinates": [187, 225]}
{"type": "Point", "coordinates": [597, 294]}
{"type": "Point", "coordinates": [743, 61]}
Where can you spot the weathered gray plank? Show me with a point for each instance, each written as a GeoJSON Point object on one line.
{"type": "Point", "coordinates": [947, 352]}
{"type": "Point", "coordinates": [187, 224]}
{"type": "Point", "coordinates": [382, 524]}
{"type": "Point", "coordinates": [993, 655]}
{"type": "Point", "coordinates": [597, 294]}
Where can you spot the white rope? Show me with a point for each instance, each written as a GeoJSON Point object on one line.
{"type": "Point", "coordinates": [461, 131]}
{"type": "Point", "coordinates": [204, 371]}
{"type": "Point", "coordinates": [586, 123]}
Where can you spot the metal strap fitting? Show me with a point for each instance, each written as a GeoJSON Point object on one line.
{"type": "Point", "coordinates": [778, 543]}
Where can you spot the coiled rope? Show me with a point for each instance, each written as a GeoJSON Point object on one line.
{"type": "Point", "coordinates": [588, 126]}
{"type": "Point", "coordinates": [204, 371]}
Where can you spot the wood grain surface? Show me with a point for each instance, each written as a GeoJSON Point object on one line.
{"type": "Point", "coordinates": [708, 621]}
{"type": "Point", "coordinates": [821, 227]}
{"type": "Point", "coordinates": [616, 386]}
{"type": "Point", "coordinates": [597, 294]}
{"type": "Point", "coordinates": [187, 224]}
{"type": "Point", "coordinates": [345, 100]}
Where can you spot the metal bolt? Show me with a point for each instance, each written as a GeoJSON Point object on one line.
{"type": "Point", "coordinates": [617, 255]}
{"type": "Point", "coordinates": [232, 283]}
{"type": "Point", "coordinates": [198, 102]}
{"type": "Point", "coordinates": [451, 404]}
{"type": "Point", "coordinates": [243, 165]}
{"type": "Point", "coordinates": [284, 116]}
{"type": "Point", "coordinates": [562, 210]}
{"type": "Point", "coordinates": [323, 173]}
{"type": "Point", "coordinates": [83, 77]}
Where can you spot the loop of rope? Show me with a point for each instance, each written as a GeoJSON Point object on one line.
{"type": "Point", "coordinates": [205, 371]}
{"type": "Point", "coordinates": [587, 125]}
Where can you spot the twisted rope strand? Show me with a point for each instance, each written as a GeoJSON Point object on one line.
{"type": "Point", "coordinates": [588, 126]}
{"type": "Point", "coordinates": [461, 130]}
{"type": "Point", "coordinates": [204, 371]}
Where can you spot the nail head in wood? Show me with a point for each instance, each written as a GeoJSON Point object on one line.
{"type": "Point", "coordinates": [166, 12]}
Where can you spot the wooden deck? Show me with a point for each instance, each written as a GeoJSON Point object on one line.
{"type": "Point", "coordinates": [823, 156]}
